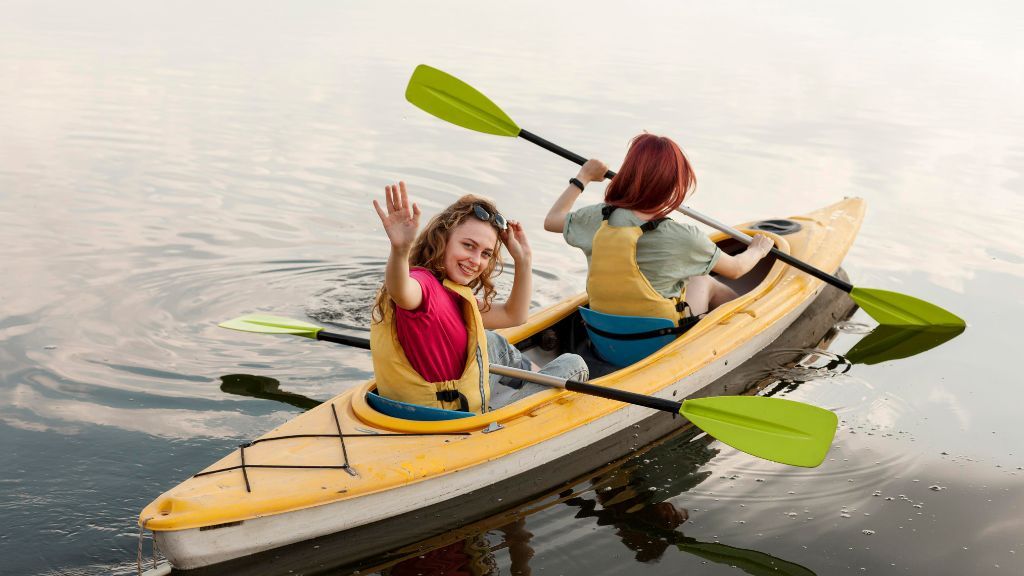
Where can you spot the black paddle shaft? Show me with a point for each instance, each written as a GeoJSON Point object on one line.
{"type": "Point", "coordinates": [794, 262]}
{"type": "Point", "coordinates": [342, 339]}
{"type": "Point", "coordinates": [573, 385]}
{"type": "Point", "coordinates": [624, 396]}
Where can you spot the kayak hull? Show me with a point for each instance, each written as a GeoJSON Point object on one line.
{"type": "Point", "coordinates": [441, 496]}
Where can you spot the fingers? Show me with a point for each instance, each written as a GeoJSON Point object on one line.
{"type": "Point", "coordinates": [380, 211]}
{"type": "Point", "coordinates": [397, 198]}
{"type": "Point", "coordinates": [516, 232]}
{"type": "Point", "coordinates": [510, 234]}
{"type": "Point", "coordinates": [595, 169]}
{"type": "Point", "coordinates": [403, 198]}
{"type": "Point", "coordinates": [389, 192]}
{"type": "Point", "coordinates": [764, 243]}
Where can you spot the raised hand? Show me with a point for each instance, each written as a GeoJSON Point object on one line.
{"type": "Point", "coordinates": [518, 246]}
{"type": "Point", "coordinates": [402, 219]}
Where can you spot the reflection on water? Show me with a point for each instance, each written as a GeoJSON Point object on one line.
{"type": "Point", "coordinates": [264, 388]}
{"type": "Point", "coordinates": [632, 497]}
{"type": "Point", "coordinates": [886, 343]}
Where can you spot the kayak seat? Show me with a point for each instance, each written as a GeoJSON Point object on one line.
{"type": "Point", "coordinates": [408, 411]}
{"type": "Point", "coordinates": [625, 340]}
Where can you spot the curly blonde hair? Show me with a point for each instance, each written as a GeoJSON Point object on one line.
{"type": "Point", "coordinates": [428, 251]}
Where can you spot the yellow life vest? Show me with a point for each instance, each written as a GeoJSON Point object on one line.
{"type": "Point", "coordinates": [615, 283]}
{"type": "Point", "coordinates": [398, 380]}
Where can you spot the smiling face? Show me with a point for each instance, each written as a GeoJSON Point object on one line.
{"type": "Point", "coordinates": [469, 250]}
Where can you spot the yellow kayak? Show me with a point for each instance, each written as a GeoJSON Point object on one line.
{"type": "Point", "coordinates": [344, 469]}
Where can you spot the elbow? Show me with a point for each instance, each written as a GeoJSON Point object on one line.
{"type": "Point", "coordinates": [554, 222]}
{"type": "Point", "coordinates": [515, 318]}
{"type": "Point", "coordinates": [730, 272]}
{"type": "Point", "coordinates": [518, 319]}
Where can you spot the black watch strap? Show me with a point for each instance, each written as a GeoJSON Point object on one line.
{"type": "Point", "coordinates": [576, 182]}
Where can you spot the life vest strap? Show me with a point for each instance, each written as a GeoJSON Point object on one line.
{"type": "Point", "coordinates": [452, 396]}
{"type": "Point", "coordinates": [684, 325]}
{"type": "Point", "coordinates": [606, 213]}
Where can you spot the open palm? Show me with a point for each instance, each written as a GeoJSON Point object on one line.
{"type": "Point", "coordinates": [402, 219]}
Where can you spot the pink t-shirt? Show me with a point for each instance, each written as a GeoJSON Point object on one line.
{"type": "Point", "coordinates": [433, 336]}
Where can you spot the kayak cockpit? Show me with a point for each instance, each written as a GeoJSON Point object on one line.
{"type": "Point", "coordinates": [570, 333]}
{"type": "Point", "coordinates": [560, 329]}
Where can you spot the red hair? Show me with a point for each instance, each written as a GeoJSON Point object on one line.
{"type": "Point", "coordinates": [655, 177]}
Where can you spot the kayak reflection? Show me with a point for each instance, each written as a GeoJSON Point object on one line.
{"type": "Point", "coordinates": [473, 556]}
{"type": "Point", "coordinates": [633, 496]}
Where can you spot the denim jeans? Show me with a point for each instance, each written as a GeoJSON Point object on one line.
{"type": "Point", "coordinates": [506, 390]}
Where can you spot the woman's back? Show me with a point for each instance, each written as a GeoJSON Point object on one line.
{"type": "Point", "coordinates": [667, 256]}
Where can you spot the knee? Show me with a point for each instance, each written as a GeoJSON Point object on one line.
{"type": "Point", "coordinates": [574, 367]}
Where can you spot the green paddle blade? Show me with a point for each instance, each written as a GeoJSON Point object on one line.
{"type": "Point", "coordinates": [898, 309]}
{"type": "Point", "coordinates": [775, 429]}
{"type": "Point", "coordinates": [894, 342]}
{"type": "Point", "coordinates": [451, 99]}
{"type": "Point", "coordinates": [267, 324]}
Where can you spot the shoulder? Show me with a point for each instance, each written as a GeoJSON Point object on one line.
{"type": "Point", "coordinates": [681, 231]}
{"type": "Point", "coordinates": [428, 282]}
{"type": "Point", "coordinates": [582, 224]}
{"type": "Point", "coordinates": [423, 276]}
{"type": "Point", "coordinates": [587, 214]}
{"type": "Point", "coordinates": [431, 287]}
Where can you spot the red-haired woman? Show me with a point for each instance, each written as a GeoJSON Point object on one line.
{"type": "Point", "coordinates": [640, 261]}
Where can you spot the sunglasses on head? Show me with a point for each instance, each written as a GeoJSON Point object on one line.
{"type": "Point", "coordinates": [483, 214]}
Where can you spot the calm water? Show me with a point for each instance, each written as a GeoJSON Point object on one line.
{"type": "Point", "coordinates": [168, 165]}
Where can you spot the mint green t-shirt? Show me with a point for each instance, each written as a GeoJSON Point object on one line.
{"type": "Point", "coordinates": [668, 256]}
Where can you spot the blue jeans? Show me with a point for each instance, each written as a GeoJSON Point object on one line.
{"type": "Point", "coordinates": [506, 390]}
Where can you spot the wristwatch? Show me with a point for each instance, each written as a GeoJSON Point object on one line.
{"type": "Point", "coordinates": [576, 182]}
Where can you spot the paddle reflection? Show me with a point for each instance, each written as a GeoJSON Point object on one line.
{"type": "Point", "coordinates": [264, 388]}
{"type": "Point", "coordinates": [895, 342]}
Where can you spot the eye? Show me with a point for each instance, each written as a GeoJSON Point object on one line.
{"type": "Point", "coordinates": [487, 254]}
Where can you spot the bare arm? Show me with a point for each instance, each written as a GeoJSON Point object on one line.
{"type": "Point", "coordinates": [592, 171]}
{"type": "Point", "coordinates": [515, 310]}
{"type": "Point", "coordinates": [400, 222]}
{"type": "Point", "coordinates": [735, 266]}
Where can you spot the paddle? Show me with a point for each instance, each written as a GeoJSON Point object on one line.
{"type": "Point", "coordinates": [451, 99]}
{"type": "Point", "coordinates": [775, 429]}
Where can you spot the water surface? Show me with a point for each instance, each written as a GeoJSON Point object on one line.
{"type": "Point", "coordinates": [166, 166]}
